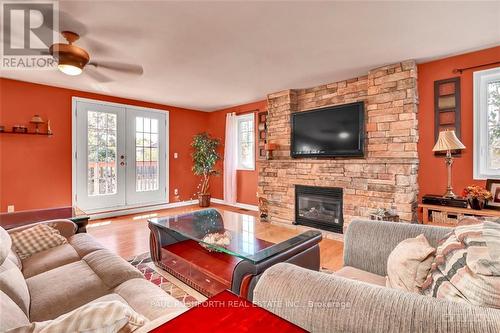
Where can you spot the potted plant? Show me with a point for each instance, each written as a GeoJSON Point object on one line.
{"type": "Point", "coordinates": [476, 196]}
{"type": "Point", "coordinates": [205, 157]}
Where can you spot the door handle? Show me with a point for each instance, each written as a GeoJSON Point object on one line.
{"type": "Point", "coordinates": [122, 163]}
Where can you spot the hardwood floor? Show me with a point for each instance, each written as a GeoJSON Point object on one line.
{"type": "Point", "coordinates": [129, 235]}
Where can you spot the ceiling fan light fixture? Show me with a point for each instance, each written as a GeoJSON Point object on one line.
{"type": "Point", "coordinates": [69, 69]}
{"type": "Point", "coordinates": [71, 59]}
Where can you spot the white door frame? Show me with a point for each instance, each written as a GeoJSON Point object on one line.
{"type": "Point", "coordinates": [74, 101]}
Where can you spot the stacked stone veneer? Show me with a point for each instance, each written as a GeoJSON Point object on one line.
{"type": "Point", "coordinates": [386, 176]}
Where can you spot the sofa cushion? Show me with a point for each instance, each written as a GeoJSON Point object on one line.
{"type": "Point", "coordinates": [360, 275]}
{"type": "Point", "coordinates": [5, 245]}
{"type": "Point", "coordinates": [15, 259]}
{"type": "Point", "coordinates": [36, 239]}
{"type": "Point", "coordinates": [148, 299]}
{"type": "Point", "coordinates": [112, 269]}
{"type": "Point", "coordinates": [113, 316]}
{"type": "Point", "coordinates": [49, 259]}
{"type": "Point", "coordinates": [467, 266]}
{"type": "Point", "coordinates": [63, 289]}
{"type": "Point", "coordinates": [12, 283]}
{"type": "Point", "coordinates": [84, 244]}
{"type": "Point", "coordinates": [11, 315]}
{"type": "Point", "coordinates": [409, 263]}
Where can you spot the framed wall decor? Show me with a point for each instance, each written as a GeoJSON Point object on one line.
{"type": "Point", "coordinates": [493, 185]}
{"type": "Point", "coordinates": [447, 108]}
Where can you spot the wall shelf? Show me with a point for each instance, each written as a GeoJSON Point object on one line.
{"type": "Point", "coordinates": [27, 133]}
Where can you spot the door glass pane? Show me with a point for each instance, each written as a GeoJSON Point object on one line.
{"type": "Point", "coordinates": [146, 161]}
{"type": "Point", "coordinates": [493, 95]}
{"type": "Point", "coordinates": [101, 156]}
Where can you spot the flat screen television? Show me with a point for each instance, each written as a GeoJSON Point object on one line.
{"type": "Point", "coordinates": [337, 131]}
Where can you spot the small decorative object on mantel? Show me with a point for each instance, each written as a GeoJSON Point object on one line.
{"type": "Point", "coordinates": [19, 129]}
{"type": "Point", "coordinates": [270, 147]}
{"type": "Point", "coordinates": [2, 128]}
{"type": "Point", "coordinates": [476, 196]}
{"type": "Point", "coordinates": [222, 239]}
{"type": "Point", "coordinates": [493, 186]}
{"type": "Point", "coordinates": [382, 214]}
{"type": "Point", "coordinates": [37, 120]}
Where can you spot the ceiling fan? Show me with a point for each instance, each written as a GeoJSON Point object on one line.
{"type": "Point", "coordinates": [72, 60]}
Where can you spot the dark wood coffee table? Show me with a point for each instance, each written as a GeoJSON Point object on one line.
{"type": "Point", "coordinates": [25, 217]}
{"type": "Point", "coordinates": [178, 246]}
{"type": "Point", "coordinates": [226, 312]}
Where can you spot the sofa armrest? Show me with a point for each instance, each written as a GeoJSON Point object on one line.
{"type": "Point", "coordinates": [67, 228]}
{"type": "Point", "coordinates": [367, 243]}
{"type": "Point", "coordinates": [320, 302]}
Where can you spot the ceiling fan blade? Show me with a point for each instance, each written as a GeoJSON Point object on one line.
{"type": "Point", "coordinates": [93, 73]}
{"type": "Point", "coordinates": [119, 66]}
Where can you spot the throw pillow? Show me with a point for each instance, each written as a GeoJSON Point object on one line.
{"type": "Point", "coordinates": [409, 263]}
{"type": "Point", "coordinates": [100, 317]}
{"type": "Point", "coordinates": [36, 239]}
{"type": "Point", "coordinates": [467, 265]}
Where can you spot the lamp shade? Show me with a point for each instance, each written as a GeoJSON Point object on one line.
{"type": "Point", "coordinates": [447, 140]}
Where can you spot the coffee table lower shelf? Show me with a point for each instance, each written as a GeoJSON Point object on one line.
{"type": "Point", "coordinates": [207, 272]}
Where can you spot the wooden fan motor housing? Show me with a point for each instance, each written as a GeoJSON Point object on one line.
{"type": "Point", "coordinates": [69, 54]}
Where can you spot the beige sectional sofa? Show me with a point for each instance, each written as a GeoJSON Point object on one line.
{"type": "Point", "coordinates": [61, 279]}
{"type": "Point", "coordinates": [355, 298]}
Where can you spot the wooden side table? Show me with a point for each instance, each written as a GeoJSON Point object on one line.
{"type": "Point", "coordinates": [226, 312]}
{"type": "Point", "coordinates": [455, 211]}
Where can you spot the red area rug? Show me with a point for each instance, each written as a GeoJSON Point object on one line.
{"type": "Point", "coordinates": [151, 273]}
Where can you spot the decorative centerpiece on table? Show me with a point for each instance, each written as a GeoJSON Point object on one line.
{"type": "Point", "coordinates": [216, 239]}
{"type": "Point", "coordinates": [205, 157]}
{"type": "Point", "coordinates": [476, 196]}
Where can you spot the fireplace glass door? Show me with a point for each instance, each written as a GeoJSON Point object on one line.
{"type": "Point", "coordinates": [319, 207]}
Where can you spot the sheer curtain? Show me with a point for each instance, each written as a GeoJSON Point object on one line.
{"type": "Point", "coordinates": [230, 158]}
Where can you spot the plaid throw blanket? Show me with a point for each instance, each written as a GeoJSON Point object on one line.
{"type": "Point", "coordinates": [467, 265]}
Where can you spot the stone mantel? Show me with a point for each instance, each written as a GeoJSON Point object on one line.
{"type": "Point", "coordinates": [385, 177]}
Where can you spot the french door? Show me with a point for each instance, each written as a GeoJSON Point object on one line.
{"type": "Point", "coordinates": [120, 156]}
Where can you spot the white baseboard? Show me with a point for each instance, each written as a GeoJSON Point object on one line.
{"type": "Point", "coordinates": [237, 205]}
{"type": "Point", "coordinates": [134, 210]}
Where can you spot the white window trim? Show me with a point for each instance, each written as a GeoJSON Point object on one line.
{"type": "Point", "coordinates": [242, 118]}
{"type": "Point", "coordinates": [481, 80]}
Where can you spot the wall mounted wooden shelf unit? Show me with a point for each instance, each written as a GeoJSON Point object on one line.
{"type": "Point", "coordinates": [27, 133]}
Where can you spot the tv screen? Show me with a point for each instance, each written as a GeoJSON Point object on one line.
{"type": "Point", "coordinates": [337, 131]}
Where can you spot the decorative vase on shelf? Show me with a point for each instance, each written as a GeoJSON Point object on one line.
{"type": "Point", "coordinates": [476, 203]}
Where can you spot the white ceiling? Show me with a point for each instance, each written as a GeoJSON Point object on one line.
{"type": "Point", "coordinates": [211, 55]}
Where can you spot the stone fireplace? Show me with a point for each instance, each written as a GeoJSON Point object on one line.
{"type": "Point", "coordinates": [319, 207]}
{"type": "Point", "coordinates": [385, 177]}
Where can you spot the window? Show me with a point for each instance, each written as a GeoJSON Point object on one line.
{"type": "Point", "coordinates": [146, 154]}
{"type": "Point", "coordinates": [246, 142]}
{"type": "Point", "coordinates": [487, 124]}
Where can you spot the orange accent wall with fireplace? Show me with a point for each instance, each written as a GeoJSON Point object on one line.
{"type": "Point", "coordinates": [35, 171]}
{"type": "Point", "coordinates": [432, 170]}
{"type": "Point", "coordinates": [247, 180]}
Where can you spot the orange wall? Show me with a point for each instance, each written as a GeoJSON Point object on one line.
{"type": "Point", "coordinates": [247, 180]}
{"type": "Point", "coordinates": [432, 171]}
{"type": "Point", "coordinates": [35, 171]}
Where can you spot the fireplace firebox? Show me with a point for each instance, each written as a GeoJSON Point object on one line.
{"type": "Point", "coordinates": [319, 207]}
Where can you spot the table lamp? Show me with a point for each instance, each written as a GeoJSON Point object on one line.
{"type": "Point", "coordinates": [448, 141]}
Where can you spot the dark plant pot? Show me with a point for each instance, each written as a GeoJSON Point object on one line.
{"type": "Point", "coordinates": [204, 200]}
{"type": "Point", "coordinates": [476, 203]}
